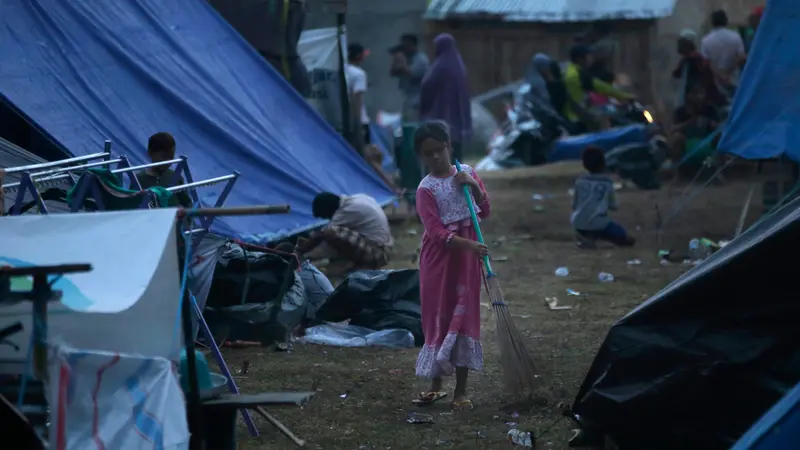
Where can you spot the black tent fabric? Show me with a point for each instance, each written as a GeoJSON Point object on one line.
{"type": "Point", "coordinates": [698, 363]}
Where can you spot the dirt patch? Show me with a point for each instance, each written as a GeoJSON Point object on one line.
{"type": "Point", "coordinates": [363, 395]}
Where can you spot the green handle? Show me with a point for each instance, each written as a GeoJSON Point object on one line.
{"type": "Point", "coordinates": [468, 197]}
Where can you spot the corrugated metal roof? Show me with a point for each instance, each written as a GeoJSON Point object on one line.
{"type": "Point", "coordinates": [550, 10]}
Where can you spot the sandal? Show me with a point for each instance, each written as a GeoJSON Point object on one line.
{"type": "Point", "coordinates": [463, 405]}
{"type": "Point", "coordinates": [428, 398]}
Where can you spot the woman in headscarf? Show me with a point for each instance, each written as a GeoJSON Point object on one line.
{"type": "Point", "coordinates": [547, 92]}
{"type": "Point", "coordinates": [445, 93]}
{"type": "Point", "coordinates": [536, 77]}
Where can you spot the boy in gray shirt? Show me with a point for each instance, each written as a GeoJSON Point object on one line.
{"type": "Point", "coordinates": [594, 197]}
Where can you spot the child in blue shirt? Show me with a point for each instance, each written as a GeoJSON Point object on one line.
{"type": "Point", "coordinates": [594, 197]}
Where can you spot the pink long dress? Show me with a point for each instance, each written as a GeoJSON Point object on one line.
{"type": "Point", "coordinates": [450, 279]}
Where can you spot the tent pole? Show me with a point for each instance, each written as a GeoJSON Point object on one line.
{"type": "Point", "coordinates": [343, 91]}
{"type": "Point", "coordinates": [223, 366]}
{"type": "Point", "coordinates": [194, 412]}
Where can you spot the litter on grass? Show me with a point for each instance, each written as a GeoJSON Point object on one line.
{"type": "Point", "coordinates": [417, 418]}
{"type": "Point", "coordinates": [552, 304]}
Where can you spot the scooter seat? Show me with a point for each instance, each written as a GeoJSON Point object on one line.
{"type": "Point", "coordinates": [571, 147]}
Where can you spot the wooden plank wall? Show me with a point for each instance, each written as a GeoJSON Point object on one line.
{"type": "Point", "coordinates": [497, 53]}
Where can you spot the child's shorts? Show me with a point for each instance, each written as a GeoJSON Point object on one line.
{"type": "Point", "coordinates": [613, 232]}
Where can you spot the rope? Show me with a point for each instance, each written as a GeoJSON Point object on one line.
{"type": "Point", "coordinates": [691, 183]}
{"type": "Point", "coordinates": [680, 205]}
{"type": "Point", "coordinates": [745, 210]}
{"type": "Point", "coordinates": [776, 206]}
{"type": "Point", "coordinates": [700, 145]}
{"type": "Point", "coordinates": [274, 251]}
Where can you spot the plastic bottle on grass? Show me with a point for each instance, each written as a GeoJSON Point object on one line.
{"type": "Point", "coordinates": [694, 249]}
{"type": "Point", "coordinates": [605, 277]}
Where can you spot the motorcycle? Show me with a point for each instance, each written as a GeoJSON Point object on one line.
{"type": "Point", "coordinates": [527, 135]}
{"type": "Point", "coordinates": [623, 114]}
{"type": "Point", "coordinates": [530, 132]}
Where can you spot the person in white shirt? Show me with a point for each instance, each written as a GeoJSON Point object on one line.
{"type": "Point", "coordinates": [356, 89]}
{"type": "Point", "coordinates": [358, 230]}
{"type": "Point", "coordinates": [724, 49]}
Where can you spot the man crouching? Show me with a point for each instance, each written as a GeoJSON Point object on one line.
{"type": "Point", "coordinates": [358, 231]}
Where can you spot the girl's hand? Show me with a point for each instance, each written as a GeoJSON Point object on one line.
{"type": "Point", "coordinates": [464, 179]}
{"type": "Point", "coordinates": [479, 249]}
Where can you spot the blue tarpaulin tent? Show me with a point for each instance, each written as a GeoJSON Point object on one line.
{"type": "Point", "coordinates": [778, 429]}
{"type": "Point", "coordinates": [89, 70]}
{"type": "Point", "coordinates": [765, 116]}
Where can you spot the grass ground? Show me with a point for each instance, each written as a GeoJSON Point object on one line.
{"type": "Point", "coordinates": [363, 395]}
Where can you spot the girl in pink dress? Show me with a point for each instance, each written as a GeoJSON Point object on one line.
{"type": "Point", "coordinates": [449, 267]}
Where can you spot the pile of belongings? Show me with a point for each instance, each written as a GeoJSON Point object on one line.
{"type": "Point", "coordinates": [265, 297]}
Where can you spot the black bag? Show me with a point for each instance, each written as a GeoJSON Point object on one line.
{"type": "Point", "coordinates": [255, 297]}
{"type": "Point", "coordinates": [379, 300]}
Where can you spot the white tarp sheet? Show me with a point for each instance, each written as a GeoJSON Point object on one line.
{"type": "Point", "coordinates": [102, 400]}
{"type": "Point", "coordinates": [319, 53]}
{"type": "Point", "coordinates": [131, 293]}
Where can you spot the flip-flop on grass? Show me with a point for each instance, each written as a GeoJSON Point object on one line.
{"type": "Point", "coordinates": [427, 398]}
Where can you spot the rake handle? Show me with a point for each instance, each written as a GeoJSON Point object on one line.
{"type": "Point", "coordinates": [475, 224]}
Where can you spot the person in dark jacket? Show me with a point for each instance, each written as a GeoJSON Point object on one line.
{"type": "Point", "coordinates": [556, 87]}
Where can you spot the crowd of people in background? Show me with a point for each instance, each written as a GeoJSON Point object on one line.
{"type": "Point", "coordinates": [708, 73]}
{"type": "Point", "coordinates": [438, 91]}
{"type": "Point", "coordinates": [437, 95]}
{"type": "Point", "coordinates": [430, 91]}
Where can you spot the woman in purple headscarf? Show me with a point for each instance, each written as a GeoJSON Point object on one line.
{"type": "Point", "coordinates": [445, 93]}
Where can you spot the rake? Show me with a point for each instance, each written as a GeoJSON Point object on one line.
{"type": "Point", "coordinates": [519, 370]}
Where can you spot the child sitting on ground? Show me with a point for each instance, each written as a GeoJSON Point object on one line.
{"type": "Point", "coordinates": [594, 197]}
